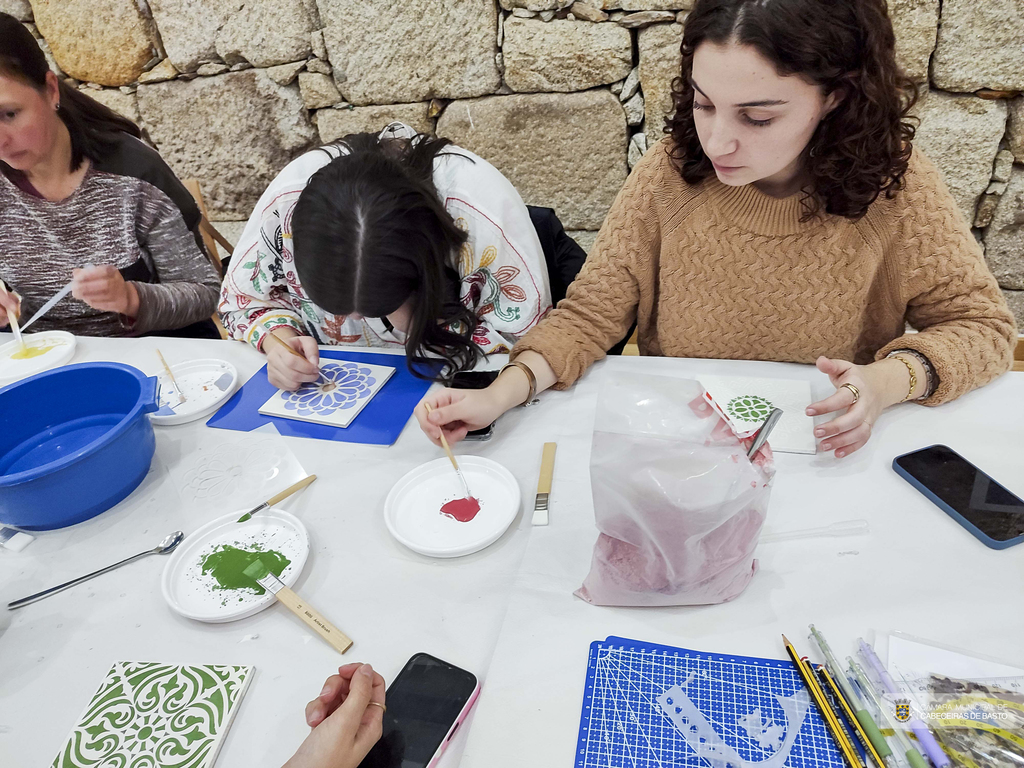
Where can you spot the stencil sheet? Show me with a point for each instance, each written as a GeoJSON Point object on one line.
{"type": "Point", "coordinates": [655, 706]}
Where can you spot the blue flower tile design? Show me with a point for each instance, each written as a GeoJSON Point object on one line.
{"type": "Point", "coordinates": [341, 386]}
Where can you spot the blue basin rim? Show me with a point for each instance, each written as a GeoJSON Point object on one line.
{"type": "Point", "coordinates": [146, 403]}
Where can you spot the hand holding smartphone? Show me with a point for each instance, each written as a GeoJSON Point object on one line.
{"type": "Point", "coordinates": [426, 704]}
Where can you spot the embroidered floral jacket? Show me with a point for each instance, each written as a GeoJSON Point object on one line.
{"type": "Point", "coordinates": [503, 274]}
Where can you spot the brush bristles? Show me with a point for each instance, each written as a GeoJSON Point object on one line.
{"type": "Point", "coordinates": [256, 570]}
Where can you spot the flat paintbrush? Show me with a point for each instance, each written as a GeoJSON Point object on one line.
{"type": "Point", "coordinates": [262, 575]}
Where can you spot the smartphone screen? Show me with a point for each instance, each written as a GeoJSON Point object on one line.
{"type": "Point", "coordinates": [423, 702]}
{"type": "Point", "coordinates": [975, 496]}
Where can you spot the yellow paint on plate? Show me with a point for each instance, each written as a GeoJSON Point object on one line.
{"type": "Point", "coordinates": [36, 350]}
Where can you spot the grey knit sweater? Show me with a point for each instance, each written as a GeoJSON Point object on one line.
{"type": "Point", "coordinates": [129, 211]}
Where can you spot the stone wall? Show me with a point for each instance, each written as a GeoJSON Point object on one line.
{"type": "Point", "coordinates": [563, 97]}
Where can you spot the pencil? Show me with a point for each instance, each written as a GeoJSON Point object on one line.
{"type": "Point", "coordinates": [174, 381]}
{"type": "Point", "coordinates": [839, 700]}
{"type": "Point", "coordinates": [847, 750]}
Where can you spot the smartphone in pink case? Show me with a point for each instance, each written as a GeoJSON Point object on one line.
{"type": "Point", "coordinates": [426, 704]}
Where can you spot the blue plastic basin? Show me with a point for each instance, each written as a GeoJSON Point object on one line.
{"type": "Point", "coordinates": [74, 442]}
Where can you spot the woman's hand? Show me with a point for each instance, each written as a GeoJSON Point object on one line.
{"type": "Point", "coordinates": [104, 288]}
{"type": "Point", "coordinates": [880, 384]}
{"type": "Point", "coordinates": [457, 411]}
{"type": "Point", "coordinates": [344, 721]}
{"type": "Point", "coordinates": [9, 302]}
{"type": "Point", "coordinates": [287, 371]}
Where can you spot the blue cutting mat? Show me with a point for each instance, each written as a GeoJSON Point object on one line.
{"type": "Point", "coordinates": [654, 706]}
{"type": "Point", "coordinates": [379, 423]}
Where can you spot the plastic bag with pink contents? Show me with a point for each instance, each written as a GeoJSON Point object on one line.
{"type": "Point", "coordinates": [679, 506]}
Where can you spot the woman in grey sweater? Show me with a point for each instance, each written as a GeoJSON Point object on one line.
{"type": "Point", "coordinates": [81, 197]}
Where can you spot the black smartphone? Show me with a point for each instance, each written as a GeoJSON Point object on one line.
{"type": "Point", "coordinates": [476, 380]}
{"type": "Point", "coordinates": [426, 704]}
{"type": "Point", "coordinates": [976, 501]}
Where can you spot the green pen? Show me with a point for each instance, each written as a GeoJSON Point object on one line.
{"type": "Point", "coordinates": [882, 753]}
{"type": "Point", "coordinates": [913, 756]}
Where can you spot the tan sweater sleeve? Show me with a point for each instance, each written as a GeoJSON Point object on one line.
{"type": "Point", "coordinates": [601, 304]}
{"type": "Point", "coordinates": [965, 327]}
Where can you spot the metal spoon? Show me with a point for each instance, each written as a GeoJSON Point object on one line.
{"type": "Point", "coordinates": [166, 546]}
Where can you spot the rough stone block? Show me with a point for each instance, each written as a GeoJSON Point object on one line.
{"type": "Point", "coordinates": [317, 90]}
{"type": "Point", "coordinates": [267, 33]}
{"type": "Point", "coordinates": [19, 9]}
{"type": "Point", "coordinates": [1004, 239]}
{"type": "Point", "coordinates": [388, 53]}
{"type": "Point", "coordinates": [961, 136]}
{"type": "Point", "coordinates": [189, 28]}
{"type": "Point", "coordinates": [660, 63]}
{"type": "Point", "coordinates": [916, 23]}
{"type": "Point", "coordinates": [234, 133]}
{"type": "Point", "coordinates": [564, 55]}
{"type": "Point", "coordinates": [1015, 134]}
{"type": "Point", "coordinates": [980, 45]}
{"type": "Point", "coordinates": [565, 151]}
{"type": "Point", "coordinates": [102, 41]}
{"type": "Point", "coordinates": [123, 103]}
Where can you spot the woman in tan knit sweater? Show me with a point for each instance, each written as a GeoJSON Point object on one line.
{"type": "Point", "coordinates": [786, 217]}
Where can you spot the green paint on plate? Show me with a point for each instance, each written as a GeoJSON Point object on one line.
{"type": "Point", "coordinates": [227, 563]}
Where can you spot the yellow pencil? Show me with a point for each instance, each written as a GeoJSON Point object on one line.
{"type": "Point", "coordinates": [838, 735]}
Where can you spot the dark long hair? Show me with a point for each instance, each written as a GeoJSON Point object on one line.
{"type": "Point", "coordinates": [370, 232]}
{"type": "Point", "coordinates": [93, 126]}
{"type": "Point", "coordinates": [862, 147]}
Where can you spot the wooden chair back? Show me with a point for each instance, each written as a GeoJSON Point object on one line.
{"type": "Point", "coordinates": [211, 238]}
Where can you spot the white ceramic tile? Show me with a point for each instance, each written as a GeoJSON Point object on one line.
{"type": "Point", "coordinates": [335, 399]}
{"type": "Point", "coordinates": [745, 402]}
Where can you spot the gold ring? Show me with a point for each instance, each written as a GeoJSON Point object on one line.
{"type": "Point", "coordinates": [378, 704]}
{"type": "Point", "coordinates": [853, 390]}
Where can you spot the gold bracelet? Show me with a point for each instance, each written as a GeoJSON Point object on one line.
{"type": "Point", "coordinates": [913, 376]}
{"type": "Point", "coordinates": [529, 375]}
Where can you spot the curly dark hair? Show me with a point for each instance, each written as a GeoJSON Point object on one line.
{"type": "Point", "coordinates": [863, 146]}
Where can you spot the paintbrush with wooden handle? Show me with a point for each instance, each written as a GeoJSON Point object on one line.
{"type": "Point", "coordinates": [275, 339]}
{"type": "Point", "coordinates": [262, 575]}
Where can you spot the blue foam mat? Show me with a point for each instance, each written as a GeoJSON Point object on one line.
{"type": "Point", "coordinates": [379, 423]}
{"type": "Point", "coordinates": [739, 700]}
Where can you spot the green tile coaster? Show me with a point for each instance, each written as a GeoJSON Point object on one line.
{"type": "Point", "coordinates": [147, 714]}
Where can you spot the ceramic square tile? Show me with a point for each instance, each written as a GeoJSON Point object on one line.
{"type": "Point", "coordinates": [746, 401]}
{"type": "Point", "coordinates": [148, 714]}
{"type": "Point", "coordinates": [335, 399]}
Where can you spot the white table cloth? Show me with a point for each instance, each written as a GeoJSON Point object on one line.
{"type": "Point", "coordinates": [506, 613]}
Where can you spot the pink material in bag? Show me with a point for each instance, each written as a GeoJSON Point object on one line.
{"type": "Point", "coordinates": [679, 506]}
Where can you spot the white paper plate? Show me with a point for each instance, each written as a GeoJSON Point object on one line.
{"type": "Point", "coordinates": [412, 511]}
{"type": "Point", "coordinates": [12, 370]}
{"type": "Point", "coordinates": [191, 593]}
{"type": "Point", "coordinates": [206, 384]}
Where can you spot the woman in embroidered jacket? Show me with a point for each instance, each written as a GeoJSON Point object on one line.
{"type": "Point", "coordinates": [386, 240]}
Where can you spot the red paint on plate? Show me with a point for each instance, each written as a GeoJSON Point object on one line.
{"type": "Point", "coordinates": [462, 510]}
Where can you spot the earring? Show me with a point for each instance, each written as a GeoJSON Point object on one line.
{"type": "Point", "coordinates": [57, 107]}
